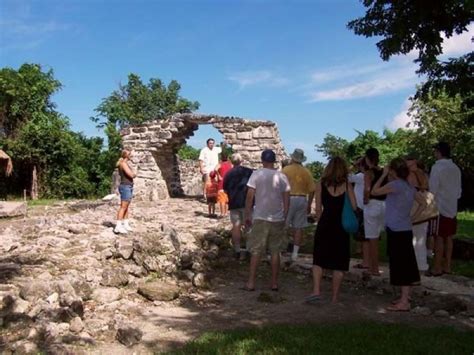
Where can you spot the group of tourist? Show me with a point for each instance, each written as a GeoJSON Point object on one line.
{"type": "Point", "coordinates": [267, 201]}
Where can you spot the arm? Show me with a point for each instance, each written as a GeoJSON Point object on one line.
{"type": "Point", "coordinates": [382, 190]}
{"type": "Point", "coordinates": [310, 202]}
{"type": "Point", "coordinates": [286, 202]}
{"type": "Point", "coordinates": [248, 206]}
{"type": "Point", "coordinates": [126, 169]}
{"type": "Point", "coordinates": [367, 184]}
{"type": "Point", "coordinates": [352, 197]}
{"type": "Point", "coordinates": [434, 181]}
{"type": "Point", "coordinates": [318, 201]}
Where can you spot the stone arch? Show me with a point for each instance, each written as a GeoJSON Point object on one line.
{"type": "Point", "coordinates": [156, 143]}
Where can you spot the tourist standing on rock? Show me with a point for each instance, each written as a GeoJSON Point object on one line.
{"type": "Point", "coordinates": [374, 209]}
{"type": "Point", "coordinates": [401, 255]}
{"type": "Point", "coordinates": [331, 241]}
{"type": "Point", "coordinates": [419, 180]}
{"type": "Point", "coordinates": [125, 191]}
{"type": "Point", "coordinates": [222, 169]}
{"type": "Point", "coordinates": [301, 196]}
{"type": "Point", "coordinates": [235, 186]}
{"type": "Point", "coordinates": [445, 184]}
{"type": "Point", "coordinates": [208, 160]}
{"type": "Point", "coordinates": [270, 190]}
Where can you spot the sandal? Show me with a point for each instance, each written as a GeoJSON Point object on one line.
{"type": "Point", "coordinates": [246, 288]}
{"type": "Point", "coordinates": [397, 308]}
{"type": "Point", "coordinates": [274, 289]}
{"type": "Point", "coordinates": [360, 266]}
{"type": "Point", "coordinates": [430, 273]}
{"type": "Point", "coordinates": [312, 298]}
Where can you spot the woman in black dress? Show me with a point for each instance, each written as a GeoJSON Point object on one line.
{"type": "Point", "coordinates": [331, 241]}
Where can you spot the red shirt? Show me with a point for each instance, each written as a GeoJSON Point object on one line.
{"type": "Point", "coordinates": [223, 169]}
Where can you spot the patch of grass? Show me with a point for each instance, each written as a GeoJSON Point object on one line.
{"type": "Point", "coordinates": [466, 224]}
{"type": "Point", "coordinates": [352, 338]}
{"type": "Point", "coordinates": [41, 202]}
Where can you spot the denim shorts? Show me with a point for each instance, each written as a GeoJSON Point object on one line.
{"type": "Point", "coordinates": [126, 192]}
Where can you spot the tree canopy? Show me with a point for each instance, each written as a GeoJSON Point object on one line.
{"type": "Point", "coordinates": [407, 25]}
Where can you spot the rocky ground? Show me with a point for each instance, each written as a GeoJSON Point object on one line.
{"type": "Point", "coordinates": [68, 284]}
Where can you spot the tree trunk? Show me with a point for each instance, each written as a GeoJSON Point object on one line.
{"type": "Point", "coordinates": [34, 184]}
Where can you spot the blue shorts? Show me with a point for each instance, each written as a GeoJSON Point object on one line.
{"type": "Point", "coordinates": [126, 192]}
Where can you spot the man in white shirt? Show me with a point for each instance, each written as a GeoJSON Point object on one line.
{"type": "Point", "coordinates": [445, 184]}
{"type": "Point", "coordinates": [270, 189]}
{"type": "Point", "coordinates": [208, 160]}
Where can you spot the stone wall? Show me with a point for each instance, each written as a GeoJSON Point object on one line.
{"type": "Point", "coordinates": [155, 145]}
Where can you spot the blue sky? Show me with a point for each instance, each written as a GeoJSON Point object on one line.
{"type": "Point", "coordinates": [292, 62]}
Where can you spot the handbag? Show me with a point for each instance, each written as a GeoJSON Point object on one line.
{"type": "Point", "coordinates": [427, 213]}
{"type": "Point", "coordinates": [349, 218]}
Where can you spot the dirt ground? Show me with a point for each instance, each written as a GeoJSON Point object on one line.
{"type": "Point", "coordinates": [225, 306]}
{"type": "Point", "coordinates": [169, 325]}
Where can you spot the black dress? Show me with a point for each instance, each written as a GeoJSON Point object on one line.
{"type": "Point", "coordinates": [331, 242]}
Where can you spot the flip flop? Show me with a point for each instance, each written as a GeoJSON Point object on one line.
{"type": "Point", "coordinates": [395, 308]}
{"type": "Point", "coordinates": [360, 266]}
{"type": "Point", "coordinates": [312, 298]}
{"type": "Point", "coordinates": [246, 288]}
{"type": "Point", "coordinates": [275, 289]}
{"type": "Point", "coordinates": [430, 273]}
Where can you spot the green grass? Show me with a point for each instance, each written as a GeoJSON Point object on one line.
{"type": "Point", "coordinates": [459, 267]}
{"type": "Point", "coordinates": [350, 338]}
{"type": "Point", "coordinates": [41, 202]}
{"type": "Point", "coordinates": [466, 224]}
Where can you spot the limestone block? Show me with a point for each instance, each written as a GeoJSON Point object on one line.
{"type": "Point", "coordinates": [244, 135]}
{"type": "Point", "coordinates": [12, 209]}
{"type": "Point", "coordinates": [262, 132]}
{"type": "Point", "coordinates": [139, 130]}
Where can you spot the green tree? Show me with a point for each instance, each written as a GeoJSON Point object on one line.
{"type": "Point", "coordinates": [25, 94]}
{"type": "Point", "coordinates": [333, 146]}
{"type": "Point", "coordinates": [316, 168]}
{"type": "Point", "coordinates": [406, 25]}
{"type": "Point", "coordinates": [35, 135]}
{"type": "Point", "coordinates": [186, 152]}
{"type": "Point", "coordinates": [136, 103]}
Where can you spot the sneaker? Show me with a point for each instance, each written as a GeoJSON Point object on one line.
{"type": "Point", "coordinates": [120, 229]}
{"type": "Point", "coordinates": [127, 227]}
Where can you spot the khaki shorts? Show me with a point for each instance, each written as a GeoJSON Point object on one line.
{"type": "Point", "coordinates": [267, 235]}
{"type": "Point", "coordinates": [237, 216]}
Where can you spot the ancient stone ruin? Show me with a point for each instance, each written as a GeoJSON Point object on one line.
{"type": "Point", "coordinates": [155, 144]}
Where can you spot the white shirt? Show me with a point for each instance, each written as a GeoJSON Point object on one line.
{"type": "Point", "coordinates": [210, 158]}
{"type": "Point", "coordinates": [445, 184]}
{"type": "Point", "coordinates": [358, 181]}
{"type": "Point", "coordinates": [269, 185]}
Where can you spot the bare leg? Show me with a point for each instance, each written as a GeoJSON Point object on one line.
{"type": "Point", "coordinates": [317, 277]}
{"type": "Point", "coordinates": [438, 257]}
{"type": "Point", "coordinates": [122, 210]}
{"type": "Point", "coordinates": [365, 254]}
{"type": "Point", "coordinates": [275, 269]}
{"type": "Point", "coordinates": [236, 235]}
{"type": "Point", "coordinates": [298, 237]}
{"type": "Point", "coordinates": [337, 277]}
{"type": "Point", "coordinates": [448, 252]}
{"type": "Point", "coordinates": [254, 261]}
{"type": "Point", "coordinates": [374, 256]}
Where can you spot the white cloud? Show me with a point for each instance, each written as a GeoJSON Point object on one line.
{"type": "Point", "coordinates": [459, 44]}
{"type": "Point", "coordinates": [380, 82]}
{"type": "Point", "coordinates": [259, 77]}
{"type": "Point", "coordinates": [401, 119]}
{"type": "Point", "coordinates": [26, 28]}
{"type": "Point", "coordinates": [343, 72]}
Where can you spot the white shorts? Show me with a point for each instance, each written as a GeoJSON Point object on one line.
{"type": "Point", "coordinates": [374, 218]}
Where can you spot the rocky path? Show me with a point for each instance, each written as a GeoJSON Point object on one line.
{"type": "Point", "coordinates": [68, 284]}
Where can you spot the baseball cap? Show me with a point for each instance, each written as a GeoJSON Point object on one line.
{"type": "Point", "coordinates": [268, 156]}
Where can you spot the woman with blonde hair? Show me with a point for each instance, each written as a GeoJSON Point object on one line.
{"type": "Point", "coordinates": [126, 192]}
{"type": "Point", "coordinates": [331, 241]}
